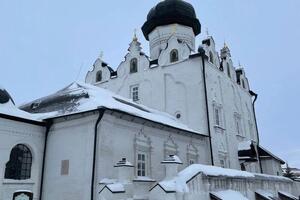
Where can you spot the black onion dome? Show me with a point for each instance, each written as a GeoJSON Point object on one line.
{"type": "Point", "coordinates": [170, 12]}
{"type": "Point", "coordinates": [5, 97]}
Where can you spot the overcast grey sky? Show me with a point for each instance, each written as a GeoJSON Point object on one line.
{"type": "Point", "coordinates": [43, 45]}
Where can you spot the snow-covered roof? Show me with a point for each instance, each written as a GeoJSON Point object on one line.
{"type": "Point", "coordinates": [81, 97]}
{"type": "Point", "coordinates": [228, 195]}
{"type": "Point", "coordinates": [179, 183]}
{"type": "Point", "coordinates": [288, 195]}
{"type": "Point", "coordinates": [172, 159]}
{"type": "Point", "coordinates": [245, 145]}
{"type": "Point", "coordinates": [265, 194]}
{"type": "Point", "coordinates": [116, 187]}
{"type": "Point", "coordinates": [123, 163]}
{"type": "Point", "coordinates": [264, 153]}
{"type": "Point", "coordinates": [8, 107]}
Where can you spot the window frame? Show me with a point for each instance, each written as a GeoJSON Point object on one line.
{"type": "Point", "coordinates": [133, 68]}
{"type": "Point", "coordinates": [238, 124]}
{"type": "Point", "coordinates": [141, 164]}
{"type": "Point", "coordinates": [172, 58]}
{"type": "Point", "coordinates": [211, 57]}
{"type": "Point", "coordinates": [134, 93]}
{"type": "Point", "coordinates": [217, 115]}
{"type": "Point", "coordinates": [228, 70]}
{"type": "Point", "coordinates": [97, 76]}
{"type": "Point", "coordinates": [142, 145]}
{"type": "Point", "coordinates": [20, 162]}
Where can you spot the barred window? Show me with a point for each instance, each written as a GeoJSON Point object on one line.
{"type": "Point", "coordinates": [141, 164]}
{"type": "Point", "coordinates": [135, 93]}
{"type": "Point", "coordinates": [19, 165]}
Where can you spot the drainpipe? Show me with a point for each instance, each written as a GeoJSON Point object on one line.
{"type": "Point", "coordinates": [101, 113]}
{"type": "Point", "coordinates": [203, 56]}
{"type": "Point", "coordinates": [257, 135]}
{"type": "Point", "coordinates": [48, 127]}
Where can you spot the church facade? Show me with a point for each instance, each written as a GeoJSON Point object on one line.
{"type": "Point", "coordinates": [177, 124]}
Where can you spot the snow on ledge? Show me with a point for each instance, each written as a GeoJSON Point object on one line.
{"type": "Point", "coordinates": [246, 145]}
{"type": "Point", "coordinates": [172, 159]}
{"type": "Point", "coordinates": [116, 187]}
{"type": "Point", "coordinates": [179, 183]}
{"type": "Point", "coordinates": [229, 195]}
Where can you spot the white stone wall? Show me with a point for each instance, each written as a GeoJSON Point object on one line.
{"type": "Point", "coordinates": [11, 134]}
{"type": "Point", "coordinates": [72, 139]}
{"type": "Point", "coordinates": [271, 166]}
{"type": "Point", "coordinates": [178, 88]}
{"type": "Point", "coordinates": [118, 139]}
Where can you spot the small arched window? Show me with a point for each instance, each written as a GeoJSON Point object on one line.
{"type": "Point", "coordinates": [19, 165]}
{"type": "Point", "coordinates": [174, 56]}
{"type": "Point", "coordinates": [133, 65]}
{"type": "Point", "coordinates": [99, 76]}
{"type": "Point", "coordinates": [211, 57]}
{"type": "Point", "coordinates": [228, 71]}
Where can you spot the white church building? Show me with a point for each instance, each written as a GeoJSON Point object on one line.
{"type": "Point", "coordinates": [178, 124]}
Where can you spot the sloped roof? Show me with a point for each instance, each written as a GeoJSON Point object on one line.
{"type": "Point", "coordinates": [228, 195]}
{"type": "Point", "coordinates": [81, 97]}
{"type": "Point", "coordinates": [8, 107]}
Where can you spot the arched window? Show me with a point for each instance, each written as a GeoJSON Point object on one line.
{"type": "Point", "coordinates": [174, 56]}
{"type": "Point", "coordinates": [19, 165]}
{"type": "Point", "coordinates": [99, 76]}
{"type": "Point", "coordinates": [211, 57]}
{"type": "Point", "coordinates": [133, 65]}
{"type": "Point", "coordinates": [228, 71]}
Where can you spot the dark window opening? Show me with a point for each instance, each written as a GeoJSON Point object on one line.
{"type": "Point", "coordinates": [99, 76]}
{"type": "Point", "coordinates": [174, 56]}
{"type": "Point", "coordinates": [211, 57]}
{"type": "Point", "coordinates": [243, 84]}
{"type": "Point", "coordinates": [19, 165]}
{"type": "Point", "coordinates": [228, 71]}
{"type": "Point", "coordinates": [133, 65]}
{"type": "Point", "coordinates": [243, 168]}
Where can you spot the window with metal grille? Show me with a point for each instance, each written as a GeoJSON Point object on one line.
{"type": "Point", "coordinates": [19, 165]}
{"type": "Point", "coordinates": [141, 164]}
{"type": "Point", "coordinates": [135, 93]}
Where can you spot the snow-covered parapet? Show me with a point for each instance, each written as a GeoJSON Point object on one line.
{"type": "Point", "coordinates": [179, 182]}
{"type": "Point", "coordinates": [171, 163]}
{"type": "Point", "coordinates": [125, 170]}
